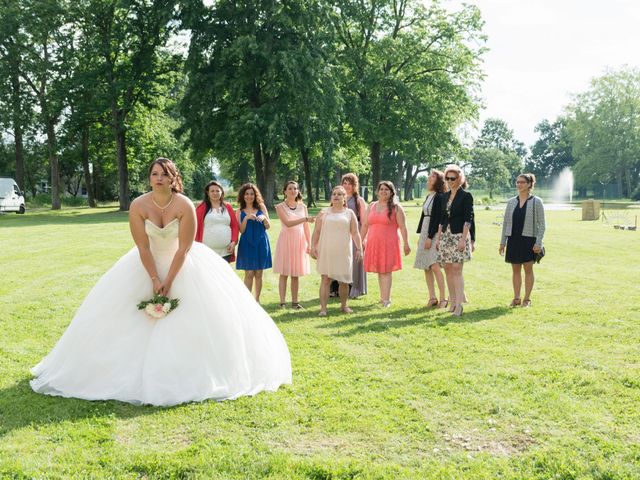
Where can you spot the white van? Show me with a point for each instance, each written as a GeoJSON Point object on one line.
{"type": "Point", "coordinates": [11, 198]}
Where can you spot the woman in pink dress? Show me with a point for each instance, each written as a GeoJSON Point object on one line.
{"type": "Point", "coordinates": [380, 228]}
{"type": "Point", "coordinates": [294, 241]}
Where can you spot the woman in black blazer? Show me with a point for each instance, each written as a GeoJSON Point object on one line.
{"type": "Point", "coordinates": [455, 234]}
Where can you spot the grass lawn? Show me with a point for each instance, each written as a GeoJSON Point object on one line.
{"type": "Point", "coordinates": [547, 392]}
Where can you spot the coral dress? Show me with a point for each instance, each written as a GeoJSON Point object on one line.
{"type": "Point", "coordinates": [291, 258]}
{"type": "Point", "coordinates": [382, 253]}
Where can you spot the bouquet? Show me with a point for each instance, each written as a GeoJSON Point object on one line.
{"type": "Point", "coordinates": [158, 307]}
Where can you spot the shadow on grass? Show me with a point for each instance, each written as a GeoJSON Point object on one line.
{"type": "Point", "coordinates": [21, 407]}
{"type": "Point", "coordinates": [76, 216]}
{"type": "Point", "coordinates": [408, 317]}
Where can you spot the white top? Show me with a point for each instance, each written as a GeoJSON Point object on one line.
{"type": "Point", "coordinates": [217, 230]}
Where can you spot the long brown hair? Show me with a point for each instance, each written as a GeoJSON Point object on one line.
{"type": "Point", "coordinates": [284, 190]}
{"type": "Point", "coordinates": [352, 179]}
{"type": "Point", "coordinates": [169, 168]}
{"type": "Point", "coordinates": [257, 201]}
{"type": "Point", "coordinates": [391, 202]}
{"type": "Point", "coordinates": [206, 200]}
{"type": "Point", "coordinates": [439, 185]}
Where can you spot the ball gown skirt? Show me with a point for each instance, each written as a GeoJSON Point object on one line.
{"type": "Point", "coordinates": [218, 343]}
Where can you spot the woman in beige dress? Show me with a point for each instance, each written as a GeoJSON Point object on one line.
{"type": "Point", "coordinates": [336, 227]}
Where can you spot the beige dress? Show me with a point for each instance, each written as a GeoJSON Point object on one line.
{"type": "Point", "coordinates": [335, 256]}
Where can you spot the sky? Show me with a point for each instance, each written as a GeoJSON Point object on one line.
{"type": "Point", "coordinates": [543, 51]}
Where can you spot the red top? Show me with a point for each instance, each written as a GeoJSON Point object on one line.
{"type": "Point", "coordinates": [201, 211]}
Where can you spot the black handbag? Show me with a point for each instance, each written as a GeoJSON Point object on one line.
{"type": "Point", "coordinates": [540, 255]}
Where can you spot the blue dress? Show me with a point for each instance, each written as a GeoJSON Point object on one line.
{"type": "Point", "coordinates": [254, 251]}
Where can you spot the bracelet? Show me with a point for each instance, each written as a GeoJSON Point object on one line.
{"type": "Point", "coordinates": [154, 278]}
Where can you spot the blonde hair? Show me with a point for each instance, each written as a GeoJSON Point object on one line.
{"type": "Point", "coordinates": [461, 176]}
{"type": "Point", "coordinates": [344, 193]}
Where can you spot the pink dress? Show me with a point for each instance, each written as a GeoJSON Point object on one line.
{"type": "Point", "coordinates": [382, 253]}
{"type": "Point", "coordinates": [291, 258]}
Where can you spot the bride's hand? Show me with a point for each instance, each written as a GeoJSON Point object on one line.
{"type": "Point", "coordinates": [165, 286]}
{"type": "Point", "coordinates": [156, 284]}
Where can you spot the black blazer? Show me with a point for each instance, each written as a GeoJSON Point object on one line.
{"type": "Point", "coordinates": [461, 212]}
{"type": "Point", "coordinates": [434, 220]}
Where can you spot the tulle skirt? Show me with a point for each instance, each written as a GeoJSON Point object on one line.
{"type": "Point", "coordinates": [218, 343]}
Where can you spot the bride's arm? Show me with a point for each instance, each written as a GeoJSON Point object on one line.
{"type": "Point", "coordinates": [136, 225]}
{"type": "Point", "coordinates": [186, 235]}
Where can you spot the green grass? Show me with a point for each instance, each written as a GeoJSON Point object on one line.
{"type": "Point", "coordinates": [547, 392]}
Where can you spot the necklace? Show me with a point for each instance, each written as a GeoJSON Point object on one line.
{"type": "Point", "coordinates": [290, 207]}
{"type": "Point", "coordinates": [162, 209]}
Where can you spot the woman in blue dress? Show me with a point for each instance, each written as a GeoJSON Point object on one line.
{"type": "Point", "coordinates": [254, 251]}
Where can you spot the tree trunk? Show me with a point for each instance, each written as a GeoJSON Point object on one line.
{"type": "Point", "coordinates": [306, 164]}
{"type": "Point", "coordinates": [327, 186]}
{"type": "Point", "coordinates": [258, 165]}
{"type": "Point", "coordinates": [53, 162]}
{"type": "Point", "coordinates": [376, 168]}
{"type": "Point", "coordinates": [121, 153]}
{"type": "Point", "coordinates": [408, 182]}
{"type": "Point", "coordinates": [270, 164]}
{"type": "Point", "coordinates": [399, 176]}
{"type": "Point", "coordinates": [17, 128]}
{"type": "Point", "coordinates": [85, 165]}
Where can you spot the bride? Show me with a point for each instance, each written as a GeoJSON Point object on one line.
{"type": "Point", "coordinates": [218, 343]}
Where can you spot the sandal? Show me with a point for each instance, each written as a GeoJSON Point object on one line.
{"type": "Point", "coordinates": [386, 303]}
{"type": "Point", "coordinates": [433, 302]}
{"type": "Point", "coordinates": [443, 304]}
{"type": "Point", "coordinates": [346, 310]}
{"type": "Point", "coordinates": [323, 313]}
{"type": "Point", "coordinates": [526, 304]}
{"type": "Point", "coordinates": [515, 302]}
{"type": "Point", "coordinates": [296, 306]}
{"type": "Point", "coordinates": [283, 305]}
{"type": "Point", "coordinates": [457, 313]}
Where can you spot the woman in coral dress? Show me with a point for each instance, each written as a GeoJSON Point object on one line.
{"type": "Point", "coordinates": [380, 227]}
{"type": "Point", "coordinates": [294, 242]}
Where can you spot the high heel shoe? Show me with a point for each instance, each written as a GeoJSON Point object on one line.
{"type": "Point", "coordinates": [515, 302]}
{"type": "Point", "coordinates": [457, 311]}
{"type": "Point", "coordinates": [443, 304]}
{"type": "Point", "coordinates": [433, 302]}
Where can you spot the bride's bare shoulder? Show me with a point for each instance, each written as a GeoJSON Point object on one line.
{"type": "Point", "coordinates": [183, 200]}
{"type": "Point", "coordinates": [140, 203]}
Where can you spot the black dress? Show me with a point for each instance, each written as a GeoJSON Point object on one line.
{"type": "Point", "coordinates": [519, 248]}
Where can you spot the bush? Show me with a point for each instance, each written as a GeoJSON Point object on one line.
{"type": "Point", "coordinates": [636, 194]}
{"type": "Point", "coordinates": [44, 200]}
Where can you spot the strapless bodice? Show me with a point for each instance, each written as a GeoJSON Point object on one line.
{"type": "Point", "coordinates": [163, 241]}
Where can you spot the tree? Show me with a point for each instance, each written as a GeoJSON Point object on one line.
{"type": "Point", "coordinates": [403, 65]}
{"type": "Point", "coordinates": [496, 135]}
{"type": "Point", "coordinates": [125, 39]}
{"type": "Point", "coordinates": [604, 127]}
{"type": "Point", "coordinates": [552, 152]}
{"type": "Point", "coordinates": [15, 104]}
{"type": "Point", "coordinates": [491, 167]}
{"type": "Point", "coordinates": [253, 66]}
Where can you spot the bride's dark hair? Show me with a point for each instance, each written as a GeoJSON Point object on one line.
{"type": "Point", "coordinates": [170, 169]}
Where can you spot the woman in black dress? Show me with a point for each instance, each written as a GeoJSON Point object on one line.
{"type": "Point", "coordinates": [522, 233]}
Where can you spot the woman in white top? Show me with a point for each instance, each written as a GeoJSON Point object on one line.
{"type": "Point", "coordinates": [217, 223]}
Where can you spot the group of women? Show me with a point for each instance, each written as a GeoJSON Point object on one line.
{"type": "Point", "coordinates": [221, 344]}
{"type": "Point", "coordinates": [351, 238]}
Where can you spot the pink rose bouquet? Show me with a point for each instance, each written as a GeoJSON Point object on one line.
{"type": "Point", "coordinates": [158, 307]}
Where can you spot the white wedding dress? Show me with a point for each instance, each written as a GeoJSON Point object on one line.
{"type": "Point", "coordinates": [218, 343]}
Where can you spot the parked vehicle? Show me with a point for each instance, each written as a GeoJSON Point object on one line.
{"type": "Point", "coordinates": [11, 197]}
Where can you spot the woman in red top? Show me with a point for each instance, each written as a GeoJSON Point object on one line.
{"type": "Point", "coordinates": [217, 223]}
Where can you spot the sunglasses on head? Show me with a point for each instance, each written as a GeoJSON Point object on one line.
{"type": "Point", "coordinates": [451, 179]}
